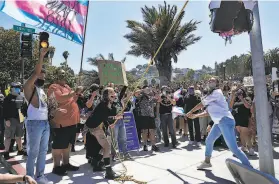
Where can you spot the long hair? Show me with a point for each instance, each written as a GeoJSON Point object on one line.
{"type": "Point", "coordinates": [105, 97]}
{"type": "Point", "coordinates": [212, 90]}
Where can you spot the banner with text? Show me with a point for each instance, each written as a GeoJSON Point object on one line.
{"type": "Point", "coordinates": [112, 72]}
{"type": "Point", "coordinates": [131, 132]}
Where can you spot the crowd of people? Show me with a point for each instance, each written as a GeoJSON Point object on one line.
{"type": "Point", "coordinates": [217, 113]}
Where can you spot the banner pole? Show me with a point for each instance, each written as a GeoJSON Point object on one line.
{"type": "Point", "coordinates": [83, 44]}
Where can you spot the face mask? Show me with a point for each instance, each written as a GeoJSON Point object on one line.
{"type": "Point", "coordinates": [39, 82]}
{"type": "Point", "coordinates": [212, 85]}
{"type": "Point", "coordinates": [191, 91]}
{"type": "Point", "coordinates": [17, 90]}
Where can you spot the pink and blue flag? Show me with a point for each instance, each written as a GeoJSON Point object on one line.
{"type": "Point", "coordinates": [177, 94]}
{"type": "Point", "coordinates": [177, 111]}
{"type": "Point", "coordinates": [65, 18]}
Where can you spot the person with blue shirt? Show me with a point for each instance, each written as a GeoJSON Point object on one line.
{"type": "Point", "coordinates": [224, 123]}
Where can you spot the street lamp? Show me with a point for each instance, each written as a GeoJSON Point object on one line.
{"type": "Point", "coordinates": [51, 54]}
{"type": "Point", "coordinates": [224, 67]}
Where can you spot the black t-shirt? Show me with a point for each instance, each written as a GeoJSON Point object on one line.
{"type": "Point", "coordinates": [165, 106]}
{"type": "Point", "coordinates": [240, 112]}
{"type": "Point", "coordinates": [11, 106]}
{"type": "Point", "coordinates": [191, 101]}
{"type": "Point", "coordinates": [180, 102]}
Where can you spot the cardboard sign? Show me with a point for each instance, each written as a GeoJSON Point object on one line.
{"type": "Point", "coordinates": [112, 72]}
{"type": "Point", "coordinates": [248, 81]}
{"type": "Point", "coordinates": [131, 132]}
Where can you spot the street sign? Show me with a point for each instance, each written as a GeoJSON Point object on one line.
{"type": "Point", "coordinates": [23, 29]}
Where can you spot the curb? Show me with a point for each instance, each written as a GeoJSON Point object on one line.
{"type": "Point", "coordinates": [12, 168]}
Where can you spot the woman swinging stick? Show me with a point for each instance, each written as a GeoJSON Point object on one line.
{"type": "Point", "coordinates": [224, 123]}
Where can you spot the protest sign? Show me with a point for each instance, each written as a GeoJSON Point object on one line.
{"type": "Point", "coordinates": [112, 72]}
{"type": "Point", "coordinates": [131, 132]}
{"type": "Point", "coordinates": [248, 81]}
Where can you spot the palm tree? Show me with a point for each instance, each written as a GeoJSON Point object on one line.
{"type": "Point", "coordinates": [94, 61]}
{"type": "Point", "coordinates": [146, 37]}
{"type": "Point", "coordinates": [66, 55]}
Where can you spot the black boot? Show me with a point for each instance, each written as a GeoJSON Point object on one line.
{"type": "Point", "coordinates": [97, 167]}
{"type": "Point", "coordinates": [110, 174]}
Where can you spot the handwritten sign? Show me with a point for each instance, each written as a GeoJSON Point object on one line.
{"type": "Point", "coordinates": [248, 81]}
{"type": "Point", "coordinates": [112, 72]}
{"type": "Point", "coordinates": [131, 132]}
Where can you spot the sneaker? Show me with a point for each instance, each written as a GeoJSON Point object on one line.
{"type": "Point", "coordinates": [204, 165]}
{"type": "Point", "coordinates": [60, 171]}
{"type": "Point", "coordinates": [244, 149]}
{"type": "Point", "coordinates": [43, 180]}
{"type": "Point", "coordinates": [191, 142]}
{"type": "Point", "coordinates": [22, 152]}
{"type": "Point", "coordinates": [252, 152]}
{"type": "Point", "coordinates": [174, 146]}
{"type": "Point", "coordinates": [180, 131]}
{"type": "Point", "coordinates": [127, 156]}
{"type": "Point", "coordinates": [145, 148]}
{"type": "Point", "coordinates": [199, 144]}
{"type": "Point", "coordinates": [70, 167]}
{"type": "Point", "coordinates": [155, 148]}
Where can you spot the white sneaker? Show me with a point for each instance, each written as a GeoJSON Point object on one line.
{"type": "Point", "coordinates": [199, 144]}
{"type": "Point", "coordinates": [191, 142]}
{"type": "Point", "coordinates": [204, 165]}
{"type": "Point", "coordinates": [252, 152]}
{"type": "Point", "coordinates": [43, 180]}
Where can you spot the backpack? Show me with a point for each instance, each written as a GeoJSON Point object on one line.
{"type": "Point", "coordinates": [25, 106]}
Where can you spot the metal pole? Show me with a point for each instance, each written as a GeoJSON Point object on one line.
{"type": "Point", "coordinates": [83, 44]}
{"type": "Point", "coordinates": [22, 70]}
{"type": "Point", "coordinates": [263, 124]}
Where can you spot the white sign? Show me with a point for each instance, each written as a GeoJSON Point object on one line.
{"type": "Point", "coordinates": [248, 81]}
{"type": "Point", "coordinates": [274, 74]}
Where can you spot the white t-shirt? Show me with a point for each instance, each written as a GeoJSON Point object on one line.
{"type": "Point", "coordinates": [217, 106]}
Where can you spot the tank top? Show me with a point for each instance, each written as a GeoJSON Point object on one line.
{"type": "Point", "coordinates": [40, 113]}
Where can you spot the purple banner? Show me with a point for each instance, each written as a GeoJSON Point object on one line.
{"type": "Point", "coordinates": [131, 132]}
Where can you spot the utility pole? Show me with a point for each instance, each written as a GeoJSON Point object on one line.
{"type": "Point", "coordinates": [263, 124]}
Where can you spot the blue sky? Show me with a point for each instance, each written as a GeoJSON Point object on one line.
{"type": "Point", "coordinates": [107, 26]}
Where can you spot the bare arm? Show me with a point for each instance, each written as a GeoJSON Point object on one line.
{"type": "Point", "coordinates": [29, 84]}
{"type": "Point", "coordinates": [246, 103]}
{"type": "Point", "coordinates": [173, 102]}
{"type": "Point", "coordinates": [232, 100]}
{"type": "Point", "coordinates": [200, 115]}
{"type": "Point", "coordinates": [89, 102]}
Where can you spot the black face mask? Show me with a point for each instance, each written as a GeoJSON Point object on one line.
{"type": "Point", "coordinates": [39, 82]}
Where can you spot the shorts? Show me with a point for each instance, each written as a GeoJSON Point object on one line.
{"type": "Point", "coordinates": [146, 122]}
{"type": "Point", "coordinates": [15, 130]}
{"type": "Point", "coordinates": [63, 137]}
{"type": "Point", "coordinates": [79, 128]}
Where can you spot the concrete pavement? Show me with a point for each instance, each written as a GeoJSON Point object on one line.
{"type": "Point", "coordinates": [170, 166]}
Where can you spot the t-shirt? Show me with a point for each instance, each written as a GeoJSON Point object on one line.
{"type": "Point", "coordinates": [241, 113]}
{"type": "Point", "coordinates": [165, 106]}
{"type": "Point", "coordinates": [11, 106]}
{"type": "Point", "coordinates": [72, 116]}
{"type": "Point", "coordinates": [191, 101]}
{"type": "Point", "coordinates": [217, 106]}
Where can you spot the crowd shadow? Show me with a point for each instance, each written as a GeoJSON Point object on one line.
{"type": "Point", "coordinates": [215, 178]}
{"type": "Point", "coordinates": [191, 147]}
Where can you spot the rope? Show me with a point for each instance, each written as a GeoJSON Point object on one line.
{"type": "Point", "coordinates": [123, 177]}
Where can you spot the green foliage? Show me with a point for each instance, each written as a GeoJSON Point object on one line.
{"type": "Point", "coordinates": [146, 36]}
{"type": "Point", "coordinates": [190, 75]}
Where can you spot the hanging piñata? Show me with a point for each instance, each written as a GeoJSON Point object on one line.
{"type": "Point", "coordinates": [229, 18]}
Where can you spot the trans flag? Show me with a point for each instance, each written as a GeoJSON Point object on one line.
{"type": "Point", "coordinates": [60, 17]}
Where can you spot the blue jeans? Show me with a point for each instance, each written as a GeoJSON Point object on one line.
{"type": "Point", "coordinates": [226, 128]}
{"type": "Point", "coordinates": [120, 136]}
{"type": "Point", "coordinates": [37, 145]}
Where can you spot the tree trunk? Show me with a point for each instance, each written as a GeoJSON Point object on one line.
{"type": "Point", "coordinates": [165, 72]}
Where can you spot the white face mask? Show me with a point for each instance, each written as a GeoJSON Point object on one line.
{"type": "Point", "coordinates": [212, 85]}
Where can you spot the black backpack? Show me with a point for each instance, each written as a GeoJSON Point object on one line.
{"type": "Point", "coordinates": [25, 106]}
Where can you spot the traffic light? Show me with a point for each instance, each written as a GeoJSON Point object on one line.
{"type": "Point", "coordinates": [44, 41]}
{"type": "Point", "coordinates": [26, 45]}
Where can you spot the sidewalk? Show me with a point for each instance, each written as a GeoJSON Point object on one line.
{"type": "Point", "coordinates": [168, 167]}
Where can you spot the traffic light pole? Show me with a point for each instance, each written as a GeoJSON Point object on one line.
{"type": "Point", "coordinates": [262, 118]}
{"type": "Point", "coordinates": [22, 63]}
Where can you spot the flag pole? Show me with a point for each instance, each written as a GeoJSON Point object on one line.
{"type": "Point", "coordinates": [83, 44]}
